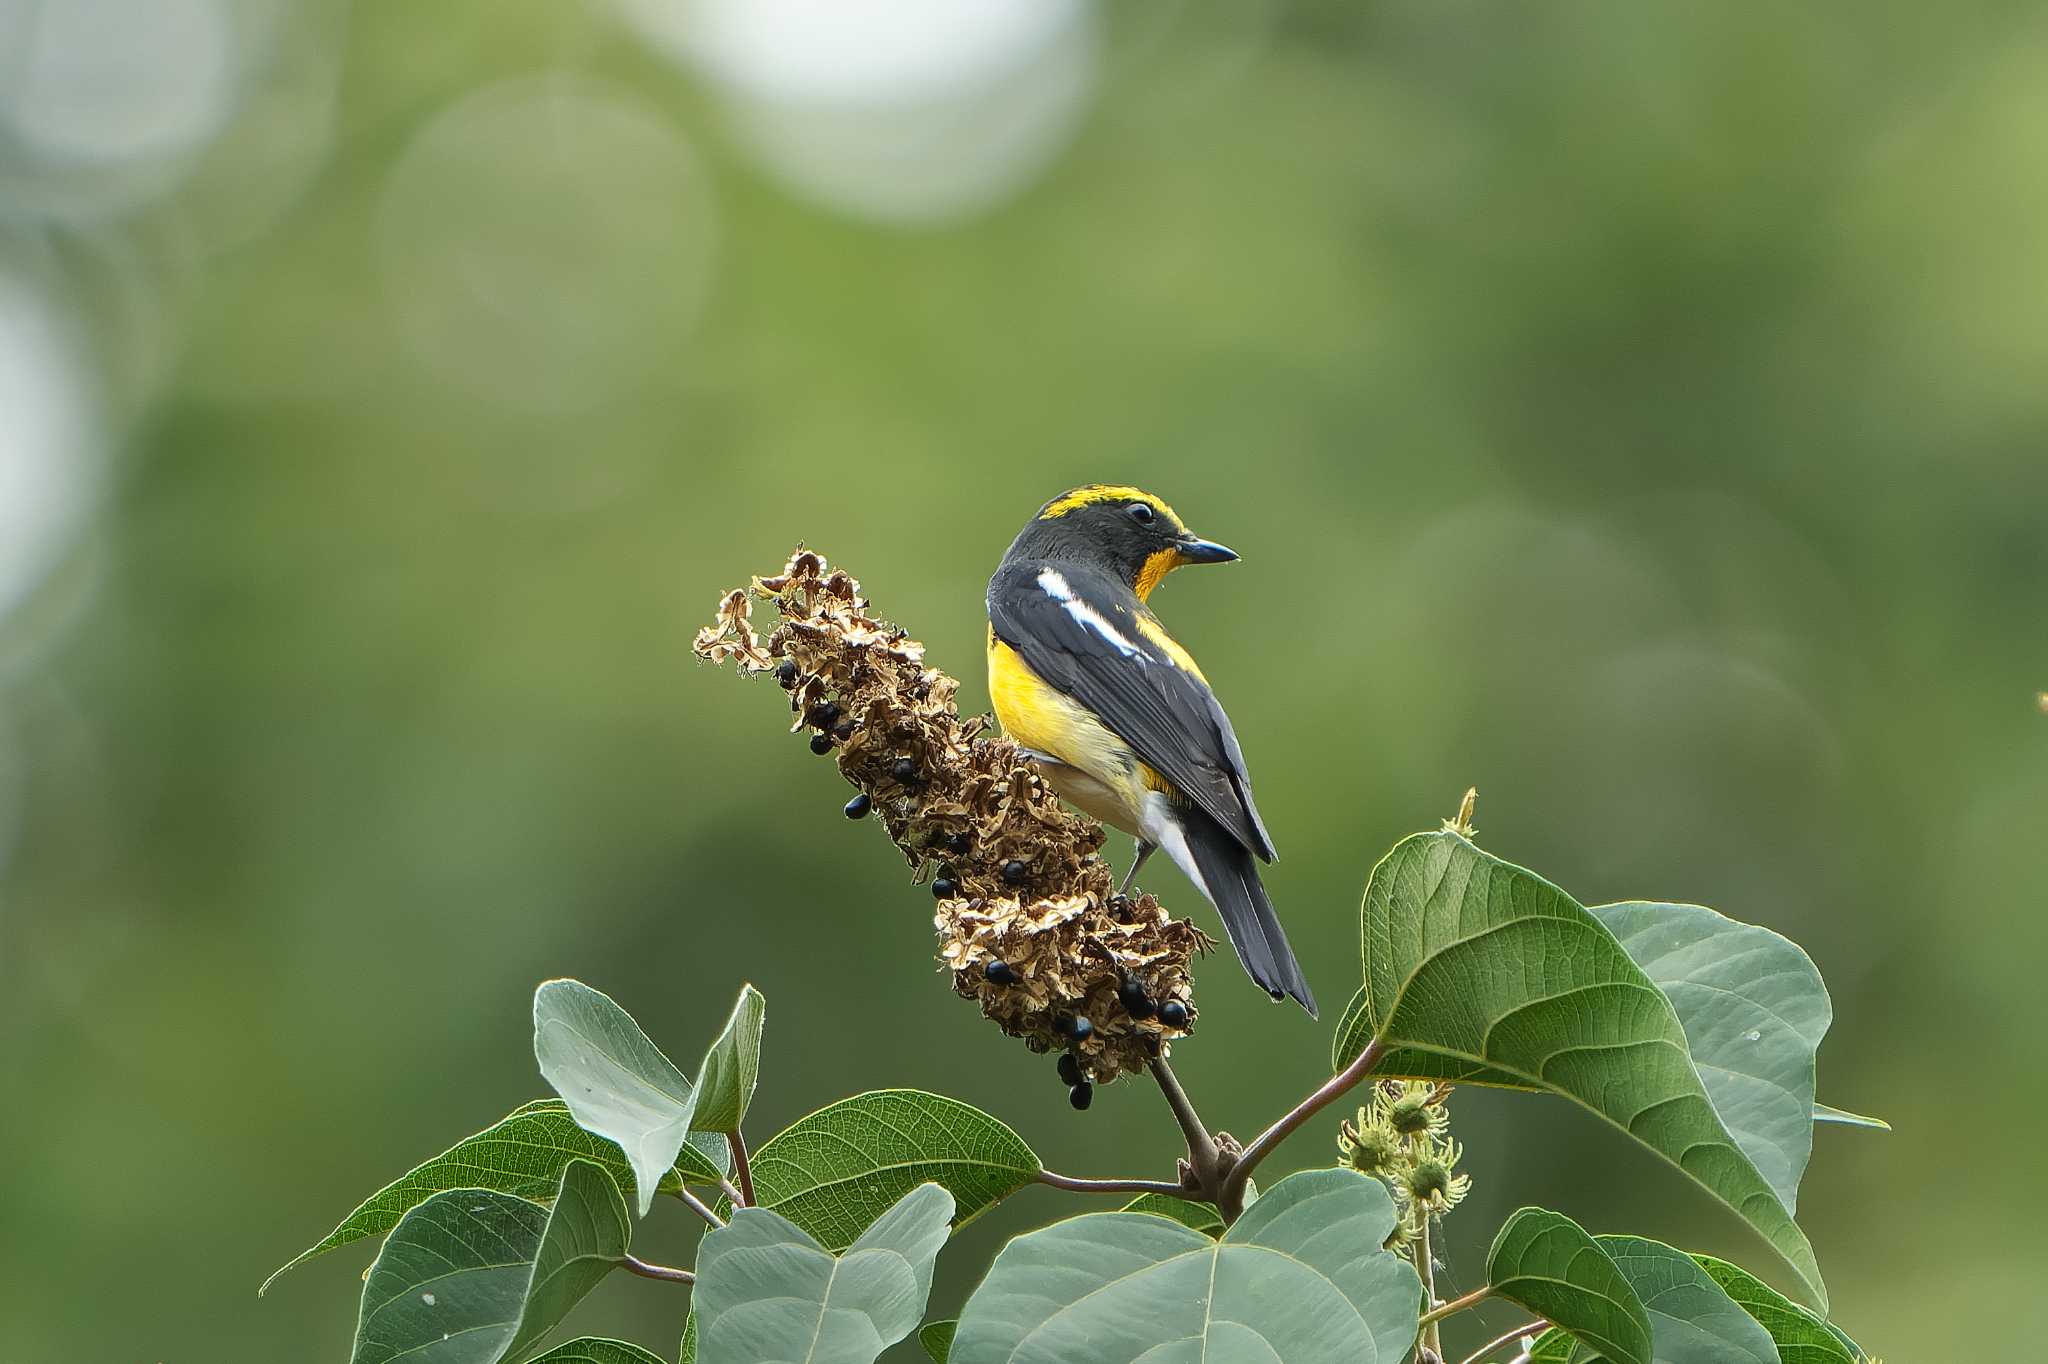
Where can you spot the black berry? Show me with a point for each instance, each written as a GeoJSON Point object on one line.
{"type": "Point", "coordinates": [785, 672]}
{"type": "Point", "coordinates": [1174, 1014]}
{"type": "Point", "coordinates": [1074, 1027]}
{"type": "Point", "coordinates": [1081, 1095]}
{"type": "Point", "coordinates": [1014, 871]}
{"type": "Point", "coordinates": [843, 730]}
{"type": "Point", "coordinates": [821, 744]}
{"type": "Point", "coordinates": [824, 715]}
{"type": "Point", "coordinates": [1136, 1002]}
{"type": "Point", "coordinates": [859, 806]}
{"type": "Point", "coordinates": [905, 771]}
{"type": "Point", "coordinates": [945, 888]}
{"type": "Point", "coordinates": [1000, 971]}
{"type": "Point", "coordinates": [957, 843]}
{"type": "Point", "coordinates": [1070, 1069]}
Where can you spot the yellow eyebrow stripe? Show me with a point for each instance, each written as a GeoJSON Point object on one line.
{"type": "Point", "coordinates": [1105, 492]}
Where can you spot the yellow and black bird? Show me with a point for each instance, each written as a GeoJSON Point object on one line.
{"type": "Point", "coordinates": [1115, 712]}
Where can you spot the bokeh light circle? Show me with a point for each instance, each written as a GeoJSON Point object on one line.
{"type": "Point", "coordinates": [895, 110]}
{"type": "Point", "coordinates": [49, 459]}
{"type": "Point", "coordinates": [546, 243]}
{"type": "Point", "coordinates": [105, 102]}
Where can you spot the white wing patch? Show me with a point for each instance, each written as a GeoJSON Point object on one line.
{"type": "Point", "coordinates": [1057, 587]}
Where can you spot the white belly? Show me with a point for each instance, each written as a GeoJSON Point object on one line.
{"type": "Point", "coordinates": [1118, 805]}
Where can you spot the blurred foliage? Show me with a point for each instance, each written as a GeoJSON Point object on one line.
{"type": "Point", "coordinates": [1633, 411]}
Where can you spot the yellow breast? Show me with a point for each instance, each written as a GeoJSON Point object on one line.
{"type": "Point", "coordinates": [1106, 779]}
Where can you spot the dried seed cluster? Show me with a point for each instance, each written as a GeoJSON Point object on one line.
{"type": "Point", "coordinates": [1027, 921]}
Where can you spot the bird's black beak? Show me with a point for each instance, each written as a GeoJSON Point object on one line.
{"type": "Point", "coordinates": [1193, 551]}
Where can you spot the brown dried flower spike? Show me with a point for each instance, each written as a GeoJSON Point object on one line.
{"type": "Point", "coordinates": [1026, 920]}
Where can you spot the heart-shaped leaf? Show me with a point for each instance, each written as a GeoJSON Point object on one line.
{"type": "Point", "coordinates": [768, 1291]}
{"type": "Point", "coordinates": [1202, 1217]}
{"type": "Point", "coordinates": [1482, 972]}
{"type": "Point", "coordinates": [1754, 1012]}
{"type": "Point", "coordinates": [597, 1350]}
{"type": "Point", "coordinates": [1547, 1263]}
{"type": "Point", "coordinates": [725, 1082]}
{"type": "Point", "coordinates": [522, 1155]}
{"type": "Point", "coordinates": [616, 1082]}
{"type": "Point", "coordinates": [1801, 1337]}
{"type": "Point", "coordinates": [476, 1276]}
{"type": "Point", "coordinates": [1302, 1276]}
{"type": "Point", "coordinates": [937, 1339]}
{"type": "Point", "coordinates": [835, 1171]}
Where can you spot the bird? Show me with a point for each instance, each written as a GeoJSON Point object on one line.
{"type": "Point", "coordinates": [1116, 715]}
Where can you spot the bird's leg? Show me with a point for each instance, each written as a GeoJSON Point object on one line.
{"type": "Point", "coordinates": [1144, 851]}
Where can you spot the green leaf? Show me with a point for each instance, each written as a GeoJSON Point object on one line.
{"type": "Point", "coordinates": [937, 1339]}
{"type": "Point", "coordinates": [688, 1353]}
{"type": "Point", "coordinates": [1302, 1276]}
{"type": "Point", "coordinates": [1547, 1263]}
{"type": "Point", "coordinates": [1483, 972]}
{"type": "Point", "coordinates": [767, 1291]}
{"type": "Point", "coordinates": [1692, 1319]}
{"type": "Point", "coordinates": [456, 1265]}
{"type": "Point", "coordinates": [1802, 1337]}
{"type": "Point", "coordinates": [1754, 1011]}
{"type": "Point", "coordinates": [586, 1238]}
{"type": "Point", "coordinates": [1202, 1217]}
{"type": "Point", "coordinates": [725, 1083]}
{"type": "Point", "coordinates": [596, 1350]}
{"type": "Point", "coordinates": [1825, 1113]}
{"type": "Point", "coordinates": [835, 1171]}
{"type": "Point", "coordinates": [473, 1276]}
{"type": "Point", "coordinates": [523, 1155]}
{"type": "Point", "coordinates": [616, 1082]}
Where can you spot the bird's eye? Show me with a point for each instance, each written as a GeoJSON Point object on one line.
{"type": "Point", "coordinates": [1141, 513]}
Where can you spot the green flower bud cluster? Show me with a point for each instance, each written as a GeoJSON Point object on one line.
{"type": "Point", "coordinates": [1401, 1138]}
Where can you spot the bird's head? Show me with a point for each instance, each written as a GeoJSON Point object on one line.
{"type": "Point", "coordinates": [1129, 531]}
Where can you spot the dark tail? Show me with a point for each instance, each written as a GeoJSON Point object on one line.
{"type": "Point", "coordinates": [1229, 877]}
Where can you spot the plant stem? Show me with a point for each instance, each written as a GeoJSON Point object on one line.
{"type": "Point", "coordinates": [700, 1207]}
{"type": "Point", "coordinates": [740, 1169]}
{"type": "Point", "coordinates": [1526, 1329]}
{"type": "Point", "coordinates": [1472, 1299]}
{"type": "Point", "coordinates": [1425, 1266]}
{"type": "Point", "coordinates": [1333, 1089]}
{"type": "Point", "coordinates": [633, 1264]}
{"type": "Point", "coordinates": [1201, 1146]}
{"type": "Point", "coordinates": [1068, 1182]}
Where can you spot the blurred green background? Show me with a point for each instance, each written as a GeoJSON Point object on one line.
{"type": "Point", "coordinates": [1635, 411]}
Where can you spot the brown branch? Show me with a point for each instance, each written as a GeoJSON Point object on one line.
{"type": "Point", "coordinates": [1202, 1149]}
{"type": "Point", "coordinates": [1472, 1299]}
{"type": "Point", "coordinates": [1527, 1328]}
{"type": "Point", "coordinates": [1110, 1186]}
{"type": "Point", "coordinates": [700, 1207]}
{"type": "Point", "coordinates": [1333, 1089]}
{"type": "Point", "coordinates": [633, 1264]}
{"type": "Point", "coordinates": [741, 1170]}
